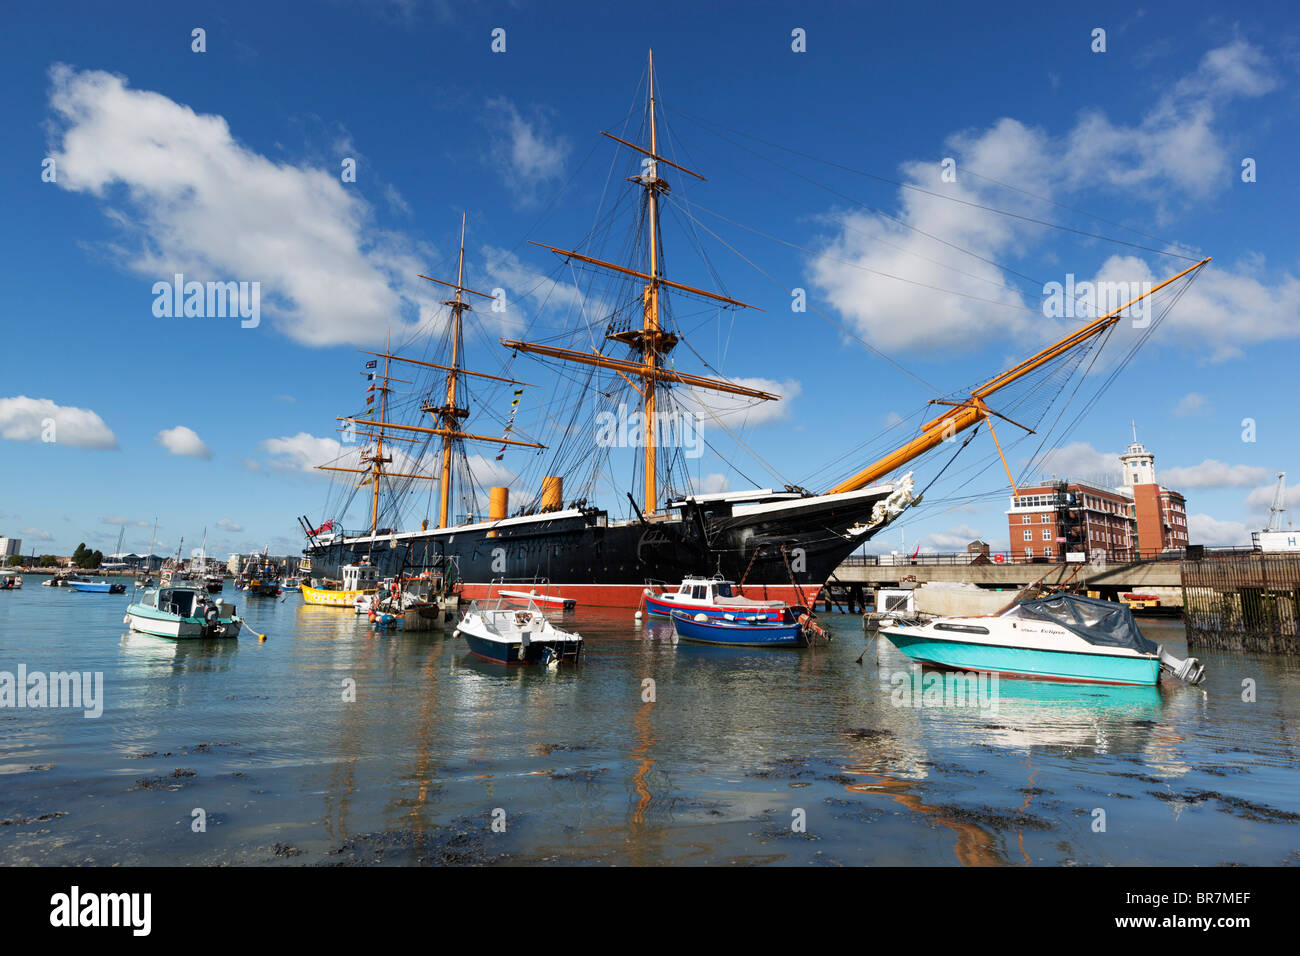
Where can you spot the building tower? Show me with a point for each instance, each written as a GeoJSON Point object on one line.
{"type": "Point", "coordinates": [1139, 465]}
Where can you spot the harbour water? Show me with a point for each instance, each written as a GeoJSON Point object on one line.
{"type": "Point", "coordinates": [789, 757]}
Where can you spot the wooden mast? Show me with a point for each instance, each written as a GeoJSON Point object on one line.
{"type": "Point", "coordinates": [449, 413]}
{"type": "Point", "coordinates": [651, 340]}
{"type": "Point", "coordinates": [965, 414]}
{"type": "Point", "coordinates": [650, 323]}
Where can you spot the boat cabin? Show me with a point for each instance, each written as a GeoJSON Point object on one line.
{"type": "Point", "coordinates": [185, 602]}
{"type": "Point", "coordinates": [360, 577]}
{"type": "Point", "coordinates": [705, 591]}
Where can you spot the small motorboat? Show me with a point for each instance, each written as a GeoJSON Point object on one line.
{"type": "Point", "coordinates": [714, 597]}
{"type": "Point", "coordinates": [183, 612]}
{"type": "Point", "coordinates": [793, 628]}
{"type": "Point", "coordinates": [1060, 637]}
{"type": "Point", "coordinates": [508, 635]}
{"type": "Point", "coordinates": [98, 587]}
{"type": "Point", "coordinates": [62, 580]}
{"type": "Point", "coordinates": [10, 580]}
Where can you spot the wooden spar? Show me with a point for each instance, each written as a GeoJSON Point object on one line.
{"type": "Point", "coordinates": [656, 158]}
{"type": "Point", "coordinates": [570, 254]}
{"type": "Point", "coordinates": [634, 368]}
{"type": "Point", "coordinates": [456, 285]}
{"type": "Point", "coordinates": [364, 471]}
{"type": "Point", "coordinates": [463, 371]}
{"type": "Point", "coordinates": [446, 433]}
{"type": "Point", "coordinates": [965, 415]}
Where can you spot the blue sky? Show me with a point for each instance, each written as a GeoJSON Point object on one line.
{"type": "Point", "coordinates": [225, 165]}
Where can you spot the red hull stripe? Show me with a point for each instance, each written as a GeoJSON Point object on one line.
{"type": "Point", "coordinates": [630, 595]}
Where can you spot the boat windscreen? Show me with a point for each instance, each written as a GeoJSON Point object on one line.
{"type": "Point", "coordinates": [1102, 623]}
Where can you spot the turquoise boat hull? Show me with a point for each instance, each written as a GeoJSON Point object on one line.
{"type": "Point", "coordinates": [1027, 662]}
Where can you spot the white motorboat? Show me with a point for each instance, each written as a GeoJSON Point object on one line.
{"type": "Point", "coordinates": [508, 635]}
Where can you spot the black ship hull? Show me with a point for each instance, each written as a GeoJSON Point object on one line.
{"type": "Point", "coordinates": [783, 547]}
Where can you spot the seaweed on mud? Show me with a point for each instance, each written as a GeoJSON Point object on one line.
{"type": "Point", "coordinates": [172, 781]}
{"type": "Point", "coordinates": [463, 843]}
{"type": "Point", "coordinates": [993, 817]}
{"type": "Point", "coordinates": [43, 818]}
{"type": "Point", "coordinates": [1259, 812]}
{"type": "Point", "coordinates": [789, 767]}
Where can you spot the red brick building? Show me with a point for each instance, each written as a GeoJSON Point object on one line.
{"type": "Point", "coordinates": [1053, 519]}
{"type": "Point", "coordinates": [1139, 519]}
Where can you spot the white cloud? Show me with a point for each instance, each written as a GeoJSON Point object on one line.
{"type": "Point", "coordinates": [126, 522]}
{"type": "Point", "coordinates": [33, 419]}
{"type": "Point", "coordinates": [230, 525]}
{"type": "Point", "coordinates": [1212, 474]}
{"type": "Point", "coordinates": [1190, 404]}
{"type": "Point", "coordinates": [1174, 153]}
{"type": "Point", "coordinates": [719, 410]}
{"type": "Point", "coordinates": [36, 533]}
{"type": "Point", "coordinates": [183, 441]}
{"type": "Point", "coordinates": [303, 452]}
{"type": "Point", "coordinates": [195, 200]}
{"type": "Point", "coordinates": [1080, 460]}
{"type": "Point", "coordinates": [1260, 499]}
{"type": "Point", "coordinates": [1202, 529]}
{"type": "Point", "coordinates": [525, 151]}
{"type": "Point", "coordinates": [954, 539]}
{"type": "Point", "coordinates": [713, 484]}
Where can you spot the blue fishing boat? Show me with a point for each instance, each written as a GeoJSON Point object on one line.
{"type": "Point", "coordinates": [716, 598]}
{"type": "Point", "coordinates": [1063, 637]}
{"type": "Point", "coordinates": [98, 587]}
{"type": "Point", "coordinates": [795, 628]}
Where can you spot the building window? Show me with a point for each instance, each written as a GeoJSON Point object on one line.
{"type": "Point", "coordinates": [1047, 534]}
{"type": "Point", "coordinates": [1026, 519]}
{"type": "Point", "coordinates": [1029, 552]}
{"type": "Point", "coordinates": [1029, 535]}
{"type": "Point", "coordinates": [1045, 518]}
{"type": "Point", "coordinates": [1047, 552]}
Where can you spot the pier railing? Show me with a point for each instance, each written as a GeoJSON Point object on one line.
{"type": "Point", "coordinates": [1109, 556]}
{"type": "Point", "coordinates": [1243, 601]}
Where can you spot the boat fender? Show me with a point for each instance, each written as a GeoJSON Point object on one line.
{"type": "Point", "coordinates": [701, 617]}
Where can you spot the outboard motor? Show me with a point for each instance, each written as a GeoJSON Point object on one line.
{"type": "Point", "coordinates": [211, 615]}
{"type": "Point", "coordinates": [1189, 671]}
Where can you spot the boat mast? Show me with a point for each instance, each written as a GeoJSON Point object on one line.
{"type": "Point", "coordinates": [651, 339]}
{"type": "Point", "coordinates": [650, 312]}
{"type": "Point", "coordinates": [378, 459]}
{"type": "Point", "coordinates": [973, 411]}
{"type": "Point", "coordinates": [449, 414]}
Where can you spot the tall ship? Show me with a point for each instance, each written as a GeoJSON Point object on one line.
{"type": "Point", "coordinates": [588, 535]}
